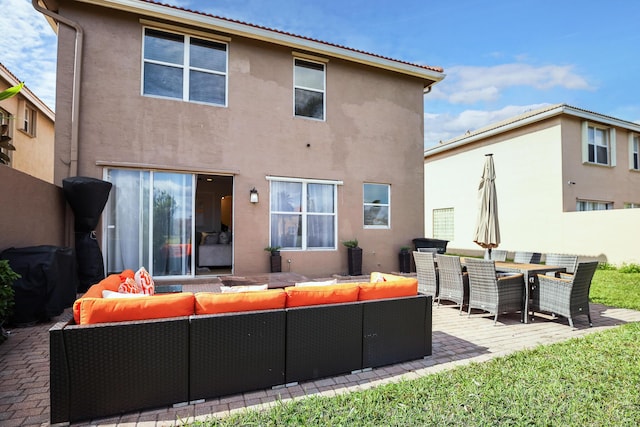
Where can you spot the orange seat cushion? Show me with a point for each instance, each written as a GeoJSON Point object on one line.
{"type": "Point", "coordinates": [215, 303]}
{"type": "Point", "coordinates": [403, 287]}
{"type": "Point", "coordinates": [110, 283]}
{"type": "Point", "coordinates": [298, 296]}
{"type": "Point", "coordinates": [103, 310]}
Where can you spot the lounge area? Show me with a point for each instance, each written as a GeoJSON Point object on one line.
{"type": "Point", "coordinates": [456, 340]}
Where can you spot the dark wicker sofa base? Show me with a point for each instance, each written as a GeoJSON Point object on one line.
{"type": "Point", "coordinates": [114, 368]}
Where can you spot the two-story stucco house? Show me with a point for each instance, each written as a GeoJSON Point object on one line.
{"type": "Point", "coordinates": [219, 132]}
{"type": "Point", "coordinates": [29, 123]}
{"type": "Point", "coordinates": [564, 177]}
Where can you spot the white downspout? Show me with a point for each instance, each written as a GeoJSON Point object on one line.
{"type": "Point", "coordinates": [77, 67]}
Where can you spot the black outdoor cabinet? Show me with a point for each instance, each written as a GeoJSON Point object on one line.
{"type": "Point", "coordinates": [425, 242]}
{"type": "Point", "coordinates": [47, 284]}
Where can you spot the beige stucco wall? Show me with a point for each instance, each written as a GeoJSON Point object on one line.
{"type": "Point", "coordinates": [536, 204]}
{"type": "Point", "coordinates": [373, 133]}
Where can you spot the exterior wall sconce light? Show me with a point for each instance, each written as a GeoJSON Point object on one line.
{"type": "Point", "coordinates": [253, 195]}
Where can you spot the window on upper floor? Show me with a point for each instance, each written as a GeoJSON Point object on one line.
{"type": "Point", "coordinates": [184, 67]}
{"type": "Point", "coordinates": [592, 205]}
{"type": "Point", "coordinates": [29, 120]}
{"type": "Point", "coordinates": [634, 152]}
{"type": "Point", "coordinates": [309, 88]}
{"type": "Point", "coordinates": [303, 213]}
{"type": "Point", "coordinates": [443, 221]}
{"type": "Point", "coordinates": [377, 205]}
{"type": "Point", "coordinates": [598, 144]}
{"type": "Point", "coordinates": [5, 134]}
{"type": "Point", "coordinates": [629, 205]}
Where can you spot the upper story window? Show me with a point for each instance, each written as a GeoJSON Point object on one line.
{"type": "Point", "coordinates": [29, 116]}
{"type": "Point", "coordinates": [376, 205]}
{"type": "Point", "coordinates": [184, 67]}
{"type": "Point", "coordinates": [5, 135]}
{"type": "Point", "coordinates": [598, 144]}
{"type": "Point", "coordinates": [629, 205]}
{"type": "Point", "coordinates": [309, 87]}
{"type": "Point", "coordinates": [634, 152]}
{"type": "Point", "coordinates": [303, 213]}
{"type": "Point", "coordinates": [590, 205]}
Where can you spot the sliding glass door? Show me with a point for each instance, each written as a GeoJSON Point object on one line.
{"type": "Point", "coordinates": [149, 222]}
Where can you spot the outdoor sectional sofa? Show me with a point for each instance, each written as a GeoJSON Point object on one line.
{"type": "Point", "coordinates": [108, 368]}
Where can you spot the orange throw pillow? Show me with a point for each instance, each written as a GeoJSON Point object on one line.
{"type": "Point", "coordinates": [298, 296]}
{"type": "Point", "coordinates": [397, 288]}
{"type": "Point", "coordinates": [214, 303]}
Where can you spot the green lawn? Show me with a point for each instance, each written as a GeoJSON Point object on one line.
{"type": "Point", "coordinates": [591, 381]}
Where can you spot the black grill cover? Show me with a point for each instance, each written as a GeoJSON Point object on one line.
{"type": "Point", "coordinates": [87, 197]}
{"type": "Point", "coordinates": [48, 283]}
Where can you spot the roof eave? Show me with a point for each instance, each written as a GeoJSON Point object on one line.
{"type": "Point", "coordinates": [236, 28]}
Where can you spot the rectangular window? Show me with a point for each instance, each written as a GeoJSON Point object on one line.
{"type": "Point", "coordinates": [5, 134]}
{"type": "Point", "coordinates": [631, 205]}
{"type": "Point", "coordinates": [590, 205]}
{"type": "Point", "coordinates": [443, 224]}
{"type": "Point", "coordinates": [634, 152]}
{"type": "Point", "coordinates": [29, 121]}
{"type": "Point", "coordinates": [376, 205]}
{"type": "Point", "coordinates": [309, 87]}
{"type": "Point", "coordinates": [598, 141]}
{"type": "Point", "coordinates": [184, 67]}
{"type": "Point", "coordinates": [303, 214]}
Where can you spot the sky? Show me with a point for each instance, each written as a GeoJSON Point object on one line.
{"type": "Point", "coordinates": [500, 57]}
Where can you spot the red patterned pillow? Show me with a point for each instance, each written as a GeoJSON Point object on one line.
{"type": "Point", "coordinates": [144, 281]}
{"type": "Point", "coordinates": [129, 286]}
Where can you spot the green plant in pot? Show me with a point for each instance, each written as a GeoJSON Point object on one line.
{"type": "Point", "coordinates": [354, 257]}
{"type": "Point", "coordinates": [276, 260]}
{"type": "Point", "coordinates": [7, 277]}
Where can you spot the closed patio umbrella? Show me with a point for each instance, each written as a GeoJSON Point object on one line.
{"type": "Point", "coordinates": [487, 233]}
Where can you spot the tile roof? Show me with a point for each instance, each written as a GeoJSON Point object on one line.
{"type": "Point", "coordinates": [235, 21]}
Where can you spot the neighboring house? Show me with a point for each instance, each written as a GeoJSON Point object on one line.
{"type": "Point", "coordinates": [552, 165]}
{"type": "Point", "coordinates": [186, 113]}
{"type": "Point", "coordinates": [30, 127]}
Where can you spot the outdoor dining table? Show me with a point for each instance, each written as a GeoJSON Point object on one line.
{"type": "Point", "coordinates": [530, 273]}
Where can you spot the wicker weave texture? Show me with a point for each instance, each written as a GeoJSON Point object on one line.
{"type": "Point", "coordinates": [323, 341]}
{"type": "Point", "coordinates": [426, 273]}
{"type": "Point", "coordinates": [454, 284]}
{"type": "Point", "coordinates": [389, 338]}
{"type": "Point", "coordinates": [58, 375]}
{"type": "Point", "coordinates": [527, 257]}
{"type": "Point", "coordinates": [569, 262]}
{"type": "Point", "coordinates": [488, 293]}
{"type": "Point", "coordinates": [495, 255]}
{"type": "Point", "coordinates": [565, 297]}
{"type": "Point", "coordinates": [115, 368]}
{"type": "Point", "coordinates": [236, 352]}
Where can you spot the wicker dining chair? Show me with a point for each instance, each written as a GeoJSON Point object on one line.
{"type": "Point", "coordinates": [495, 255]}
{"type": "Point", "coordinates": [426, 272]}
{"type": "Point", "coordinates": [527, 257]}
{"type": "Point", "coordinates": [491, 293]}
{"type": "Point", "coordinates": [567, 297]}
{"type": "Point", "coordinates": [453, 283]}
{"type": "Point", "coordinates": [569, 262]}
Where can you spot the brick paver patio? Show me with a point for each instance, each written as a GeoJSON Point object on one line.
{"type": "Point", "coordinates": [457, 340]}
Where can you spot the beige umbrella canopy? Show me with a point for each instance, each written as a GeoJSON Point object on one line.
{"type": "Point", "coordinates": [487, 232]}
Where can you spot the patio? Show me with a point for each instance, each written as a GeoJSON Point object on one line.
{"type": "Point", "coordinates": [457, 340]}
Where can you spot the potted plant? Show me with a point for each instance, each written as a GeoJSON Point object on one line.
{"type": "Point", "coordinates": [276, 259]}
{"type": "Point", "coordinates": [404, 257]}
{"type": "Point", "coordinates": [354, 257]}
{"type": "Point", "coordinates": [7, 277]}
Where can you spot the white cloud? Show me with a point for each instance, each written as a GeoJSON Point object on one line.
{"type": "Point", "coordinates": [28, 48]}
{"type": "Point", "coordinates": [470, 84]}
{"type": "Point", "coordinates": [442, 127]}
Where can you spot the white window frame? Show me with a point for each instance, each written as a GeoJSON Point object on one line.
{"type": "Point", "coordinates": [593, 205]}
{"type": "Point", "coordinates": [634, 152]}
{"type": "Point", "coordinates": [382, 205]}
{"type": "Point", "coordinates": [443, 223]}
{"type": "Point", "coordinates": [610, 135]}
{"type": "Point", "coordinates": [185, 66]}
{"type": "Point", "coordinates": [303, 212]}
{"type": "Point", "coordinates": [323, 91]}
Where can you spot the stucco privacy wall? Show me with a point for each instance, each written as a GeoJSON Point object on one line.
{"type": "Point", "coordinates": [33, 211]}
{"type": "Point", "coordinates": [373, 133]}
